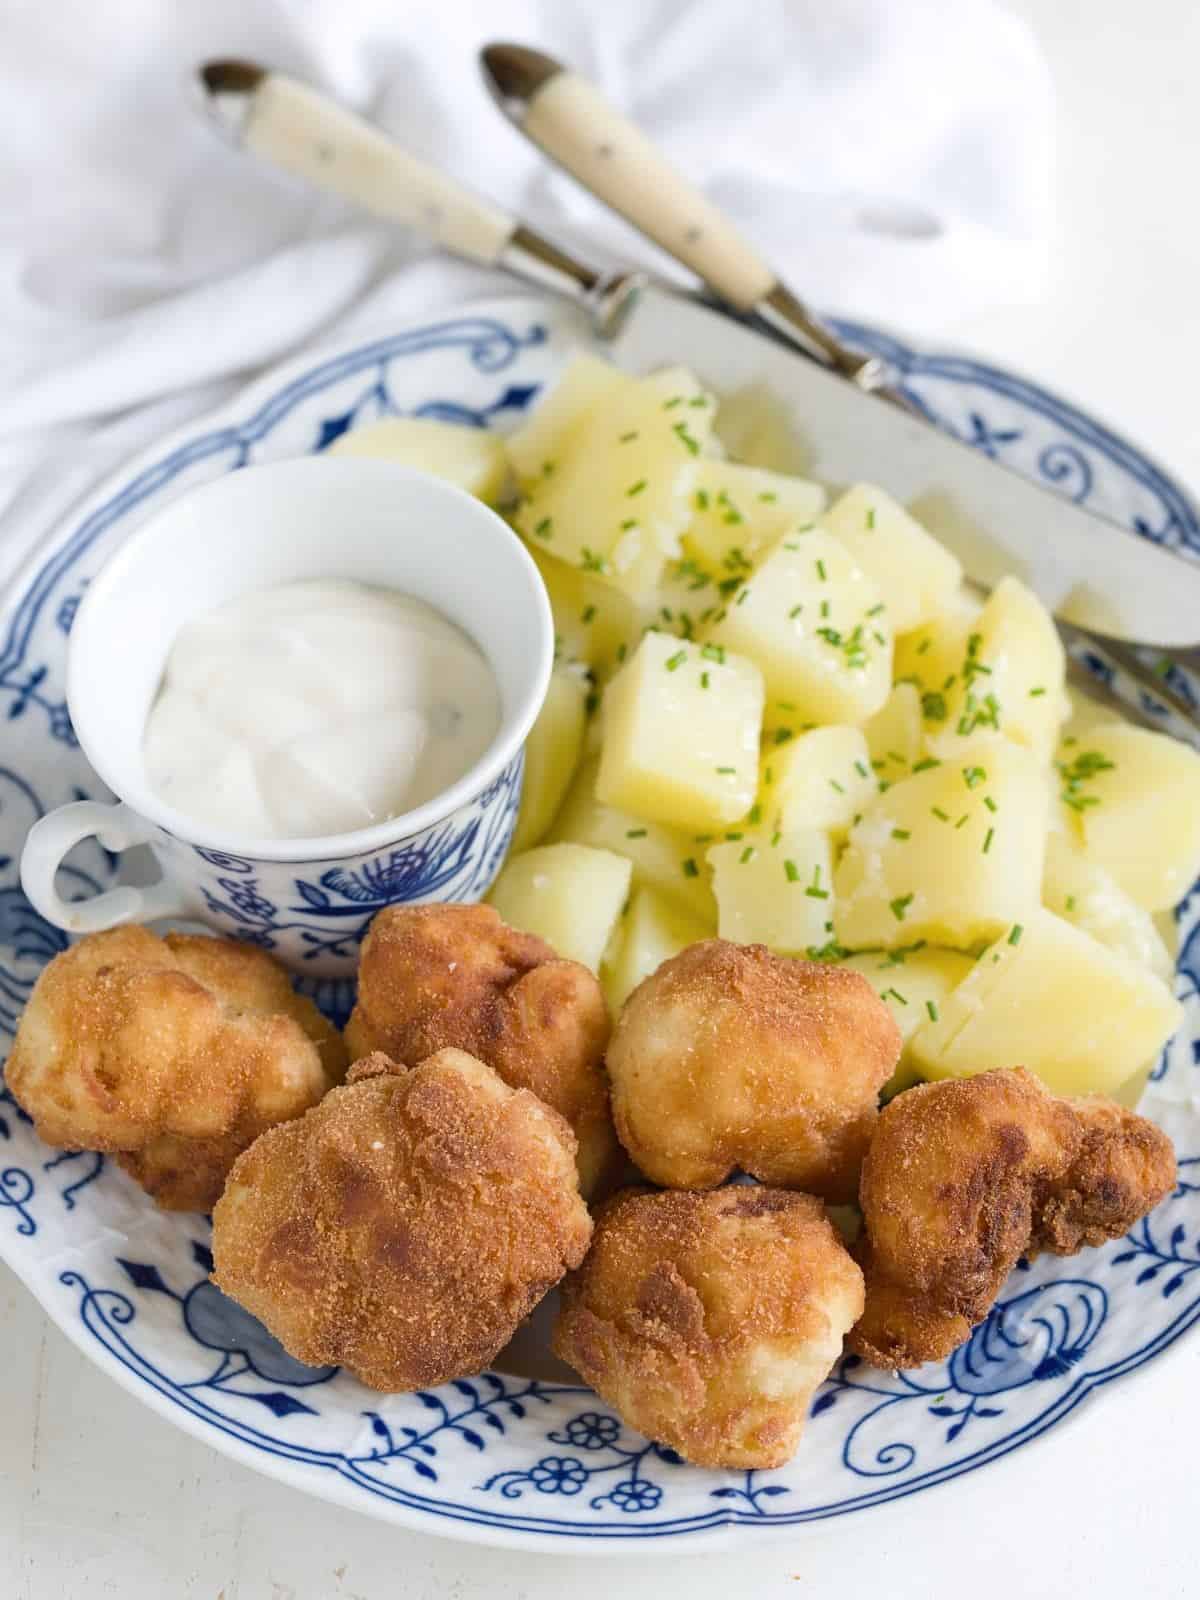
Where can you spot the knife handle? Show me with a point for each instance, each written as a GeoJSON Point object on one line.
{"type": "Point", "coordinates": [570, 120]}
{"type": "Point", "coordinates": [312, 137]}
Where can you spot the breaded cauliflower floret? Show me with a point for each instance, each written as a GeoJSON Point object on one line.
{"type": "Point", "coordinates": [709, 1320]}
{"type": "Point", "coordinates": [405, 1226]}
{"type": "Point", "coordinates": [451, 976]}
{"type": "Point", "coordinates": [964, 1177]}
{"type": "Point", "coordinates": [173, 1054]}
{"type": "Point", "coordinates": [729, 1056]}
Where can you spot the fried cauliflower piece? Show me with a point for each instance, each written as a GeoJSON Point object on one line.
{"type": "Point", "coordinates": [965, 1176]}
{"type": "Point", "coordinates": [173, 1054]}
{"type": "Point", "coordinates": [407, 1224]}
{"type": "Point", "coordinates": [709, 1320]}
{"type": "Point", "coordinates": [729, 1056]}
{"type": "Point", "coordinates": [451, 976]}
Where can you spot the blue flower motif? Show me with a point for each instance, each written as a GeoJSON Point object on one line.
{"type": "Point", "coordinates": [61, 727]}
{"type": "Point", "coordinates": [558, 1475]}
{"type": "Point", "coordinates": [220, 1324]}
{"type": "Point", "coordinates": [634, 1494]}
{"type": "Point", "coordinates": [245, 896]}
{"type": "Point", "coordinates": [590, 1430]}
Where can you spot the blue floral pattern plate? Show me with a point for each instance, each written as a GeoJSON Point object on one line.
{"type": "Point", "coordinates": [502, 1458]}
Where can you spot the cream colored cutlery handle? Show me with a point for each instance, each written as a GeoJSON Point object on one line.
{"type": "Point", "coordinates": [573, 123]}
{"type": "Point", "coordinates": [312, 137]}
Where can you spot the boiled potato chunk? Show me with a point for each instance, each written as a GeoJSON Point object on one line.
{"type": "Point", "coordinates": [593, 622]}
{"type": "Point", "coordinates": [1049, 997]}
{"type": "Point", "coordinates": [681, 732]}
{"type": "Point", "coordinates": [952, 854]}
{"type": "Point", "coordinates": [652, 930]}
{"type": "Point", "coordinates": [537, 445]}
{"type": "Point", "coordinates": [775, 889]}
{"type": "Point", "coordinates": [814, 622]}
{"type": "Point", "coordinates": [738, 512]}
{"type": "Point", "coordinates": [1135, 798]}
{"type": "Point", "coordinates": [915, 574]}
{"type": "Point", "coordinates": [823, 779]}
{"type": "Point", "coordinates": [1009, 682]}
{"type": "Point", "coordinates": [894, 735]}
{"type": "Point", "coordinates": [552, 753]}
{"type": "Point", "coordinates": [619, 493]}
{"type": "Point", "coordinates": [567, 894]}
{"type": "Point", "coordinates": [913, 990]}
{"type": "Point", "coordinates": [930, 656]}
{"type": "Point", "coordinates": [472, 458]}
{"type": "Point", "coordinates": [664, 858]}
{"type": "Point", "coordinates": [1082, 892]}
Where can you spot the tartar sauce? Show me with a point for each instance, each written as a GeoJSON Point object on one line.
{"type": "Point", "coordinates": [315, 708]}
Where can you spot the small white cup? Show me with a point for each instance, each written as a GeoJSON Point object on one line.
{"type": "Point", "coordinates": [307, 900]}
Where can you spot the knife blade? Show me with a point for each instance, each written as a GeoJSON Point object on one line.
{"type": "Point", "coordinates": [1089, 571]}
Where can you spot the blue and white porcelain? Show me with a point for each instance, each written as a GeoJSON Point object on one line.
{"type": "Point", "coordinates": [506, 1458]}
{"type": "Point", "coordinates": [307, 900]}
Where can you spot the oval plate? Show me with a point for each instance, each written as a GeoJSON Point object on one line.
{"type": "Point", "coordinates": [505, 1459]}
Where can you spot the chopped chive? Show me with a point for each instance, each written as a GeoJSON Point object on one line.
{"type": "Point", "coordinates": [544, 528]}
{"type": "Point", "coordinates": [962, 822]}
{"type": "Point", "coordinates": [629, 522]}
{"type": "Point", "coordinates": [792, 871]}
{"type": "Point", "coordinates": [588, 614]}
{"type": "Point", "coordinates": [746, 855]}
{"type": "Point", "coordinates": [714, 652]}
{"type": "Point", "coordinates": [745, 594]}
{"type": "Point", "coordinates": [701, 499]}
{"type": "Point", "coordinates": [923, 646]}
{"type": "Point", "coordinates": [768, 498]}
{"type": "Point", "coordinates": [675, 400]}
{"type": "Point", "coordinates": [635, 488]}
{"type": "Point", "coordinates": [548, 468]}
{"type": "Point", "coordinates": [626, 437]}
{"type": "Point", "coordinates": [926, 765]}
{"type": "Point", "coordinates": [782, 735]}
{"type": "Point", "coordinates": [676, 660]}
{"type": "Point", "coordinates": [893, 755]}
{"type": "Point", "coordinates": [622, 651]}
{"type": "Point", "coordinates": [861, 770]}
{"type": "Point", "coordinates": [901, 833]}
{"type": "Point", "coordinates": [755, 814]}
{"type": "Point", "coordinates": [942, 816]}
{"type": "Point", "coordinates": [734, 836]}
{"type": "Point", "coordinates": [987, 842]}
{"type": "Point", "coordinates": [821, 573]}
{"type": "Point", "coordinates": [834, 784]}
{"type": "Point", "coordinates": [704, 680]}
{"type": "Point", "coordinates": [932, 1010]}
{"type": "Point", "coordinates": [990, 803]}
{"type": "Point", "coordinates": [824, 608]}
{"type": "Point", "coordinates": [1015, 936]}
{"type": "Point", "coordinates": [794, 613]}
{"type": "Point", "coordinates": [877, 610]}
{"type": "Point", "coordinates": [690, 869]}
{"type": "Point", "coordinates": [1070, 902]}
{"type": "Point", "coordinates": [635, 833]}
{"type": "Point", "coordinates": [689, 442]}
{"type": "Point", "coordinates": [870, 516]}
{"type": "Point", "coordinates": [973, 776]}
{"type": "Point", "coordinates": [775, 838]}
{"type": "Point", "coordinates": [1033, 693]}
{"type": "Point", "coordinates": [726, 769]}
{"type": "Point", "coordinates": [896, 995]}
{"type": "Point", "coordinates": [900, 905]}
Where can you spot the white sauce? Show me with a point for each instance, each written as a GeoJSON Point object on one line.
{"type": "Point", "coordinates": [315, 708]}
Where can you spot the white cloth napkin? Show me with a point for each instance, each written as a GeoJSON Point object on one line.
{"type": "Point", "coordinates": [892, 160]}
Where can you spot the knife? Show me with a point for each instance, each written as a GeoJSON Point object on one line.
{"type": "Point", "coordinates": [1092, 573]}
{"type": "Point", "coordinates": [294, 127]}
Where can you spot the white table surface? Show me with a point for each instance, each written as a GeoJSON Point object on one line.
{"type": "Point", "coordinates": [100, 1497]}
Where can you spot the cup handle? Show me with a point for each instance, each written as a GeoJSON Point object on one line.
{"type": "Point", "coordinates": [116, 828]}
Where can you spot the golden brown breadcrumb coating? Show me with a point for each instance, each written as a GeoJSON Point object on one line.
{"type": "Point", "coordinates": [172, 1053]}
{"type": "Point", "coordinates": [709, 1320]}
{"type": "Point", "coordinates": [964, 1177]}
{"type": "Point", "coordinates": [729, 1056]}
{"type": "Point", "coordinates": [406, 1225]}
{"type": "Point", "coordinates": [451, 976]}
